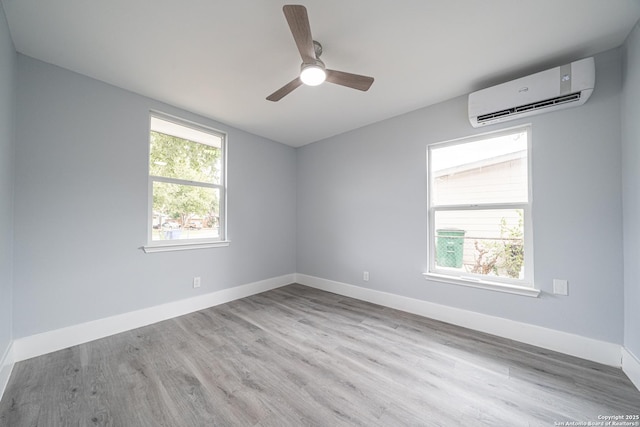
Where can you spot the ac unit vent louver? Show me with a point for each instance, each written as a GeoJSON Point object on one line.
{"type": "Point", "coordinates": [533, 106]}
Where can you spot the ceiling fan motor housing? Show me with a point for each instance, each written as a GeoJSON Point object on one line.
{"type": "Point", "coordinates": [317, 47]}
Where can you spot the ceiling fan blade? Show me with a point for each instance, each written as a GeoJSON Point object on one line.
{"type": "Point", "coordinates": [299, 24]}
{"type": "Point", "coordinates": [285, 90]}
{"type": "Point", "coordinates": [354, 81]}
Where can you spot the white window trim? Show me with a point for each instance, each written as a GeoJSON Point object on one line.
{"type": "Point", "coordinates": [524, 287]}
{"type": "Point", "coordinates": [472, 282]}
{"type": "Point", "coordinates": [187, 244]}
{"type": "Point", "coordinates": [184, 246]}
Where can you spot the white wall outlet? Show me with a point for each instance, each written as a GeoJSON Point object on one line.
{"type": "Point", "coordinates": [365, 276]}
{"type": "Point", "coordinates": [196, 282]}
{"type": "Point", "coordinates": [560, 287]}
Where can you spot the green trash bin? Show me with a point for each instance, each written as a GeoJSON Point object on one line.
{"type": "Point", "coordinates": [449, 247]}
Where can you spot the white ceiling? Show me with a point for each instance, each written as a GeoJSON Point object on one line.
{"type": "Point", "coordinates": [221, 58]}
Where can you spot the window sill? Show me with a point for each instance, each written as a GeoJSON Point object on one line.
{"type": "Point", "coordinates": [184, 246]}
{"type": "Point", "coordinates": [483, 284]}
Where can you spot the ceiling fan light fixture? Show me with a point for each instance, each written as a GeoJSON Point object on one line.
{"type": "Point", "coordinates": [312, 74]}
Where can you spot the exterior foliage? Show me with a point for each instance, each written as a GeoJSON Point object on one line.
{"type": "Point", "coordinates": [503, 257]}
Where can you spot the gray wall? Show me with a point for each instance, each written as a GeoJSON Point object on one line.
{"type": "Point", "coordinates": [7, 98]}
{"type": "Point", "coordinates": [631, 189]}
{"type": "Point", "coordinates": [81, 206]}
{"type": "Point", "coordinates": [362, 206]}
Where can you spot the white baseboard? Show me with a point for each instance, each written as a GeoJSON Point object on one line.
{"type": "Point", "coordinates": [6, 366]}
{"type": "Point", "coordinates": [47, 342]}
{"type": "Point", "coordinates": [631, 367]}
{"type": "Point", "coordinates": [551, 339]}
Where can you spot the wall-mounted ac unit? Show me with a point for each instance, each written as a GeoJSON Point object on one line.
{"type": "Point", "coordinates": [561, 87]}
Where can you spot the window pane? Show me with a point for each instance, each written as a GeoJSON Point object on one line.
{"type": "Point", "coordinates": [185, 212]}
{"type": "Point", "coordinates": [174, 157]}
{"type": "Point", "coordinates": [492, 170]}
{"type": "Point", "coordinates": [486, 241]}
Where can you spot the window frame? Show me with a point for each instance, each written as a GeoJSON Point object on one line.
{"type": "Point", "coordinates": [194, 243]}
{"type": "Point", "coordinates": [523, 286]}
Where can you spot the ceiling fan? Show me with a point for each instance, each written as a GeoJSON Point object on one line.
{"type": "Point", "coordinates": [313, 71]}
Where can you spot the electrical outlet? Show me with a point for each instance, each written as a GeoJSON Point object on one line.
{"type": "Point", "coordinates": [196, 282]}
{"type": "Point", "coordinates": [560, 287]}
{"type": "Point", "coordinates": [365, 276]}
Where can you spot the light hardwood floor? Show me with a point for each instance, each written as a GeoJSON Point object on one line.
{"type": "Point", "coordinates": [296, 356]}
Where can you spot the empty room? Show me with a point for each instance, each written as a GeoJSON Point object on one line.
{"type": "Point", "coordinates": [331, 213]}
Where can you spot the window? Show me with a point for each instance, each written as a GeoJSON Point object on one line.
{"type": "Point", "coordinates": [480, 211]}
{"type": "Point", "coordinates": [186, 185]}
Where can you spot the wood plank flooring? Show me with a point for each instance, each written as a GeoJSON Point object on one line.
{"type": "Point", "coordinates": [296, 356]}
